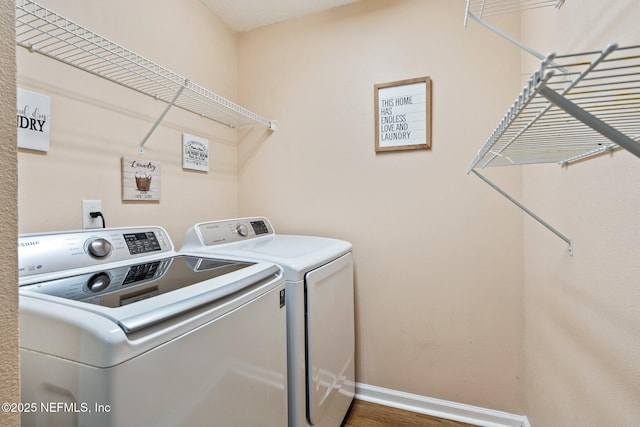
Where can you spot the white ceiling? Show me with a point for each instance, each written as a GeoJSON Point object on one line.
{"type": "Point", "coordinates": [244, 15]}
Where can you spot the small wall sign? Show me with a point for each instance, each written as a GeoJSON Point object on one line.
{"type": "Point", "coordinates": [403, 114]}
{"type": "Point", "coordinates": [140, 179]}
{"type": "Point", "coordinates": [33, 120]}
{"type": "Point", "coordinates": [195, 152]}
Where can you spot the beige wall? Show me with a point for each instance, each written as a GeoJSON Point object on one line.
{"type": "Point", "coordinates": [438, 255]}
{"type": "Point", "coordinates": [9, 368]}
{"type": "Point", "coordinates": [96, 122]}
{"type": "Point", "coordinates": [582, 312]}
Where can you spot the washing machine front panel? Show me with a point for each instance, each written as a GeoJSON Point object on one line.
{"type": "Point", "coordinates": [330, 341]}
{"type": "Point", "coordinates": [229, 371]}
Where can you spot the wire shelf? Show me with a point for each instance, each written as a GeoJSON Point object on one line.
{"type": "Point", "coordinates": [41, 30]}
{"type": "Point", "coordinates": [477, 10]}
{"type": "Point", "coordinates": [573, 107]}
{"type": "Point", "coordinates": [484, 8]}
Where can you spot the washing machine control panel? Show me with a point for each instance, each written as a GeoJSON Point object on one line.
{"type": "Point", "coordinates": [53, 252]}
{"type": "Point", "coordinates": [228, 231]}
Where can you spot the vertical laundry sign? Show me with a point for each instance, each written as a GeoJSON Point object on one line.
{"type": "Point", "coordinates": [33, 120]}
{"type": "Point", "coordinates": [195, 152]}
{"type": "Point", "coordinates": [403, 114]}
{"type": "Point", "coordinates": [140, 179]}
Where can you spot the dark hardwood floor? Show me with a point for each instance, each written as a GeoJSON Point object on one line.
{"type": "Point", "coordinates": [366, 414]}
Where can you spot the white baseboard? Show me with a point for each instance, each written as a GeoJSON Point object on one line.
{"type": "Point", "coordinates": [439, 408]}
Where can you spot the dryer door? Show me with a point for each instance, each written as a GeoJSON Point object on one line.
{"type": "Point", "coordinates": [330, 341]}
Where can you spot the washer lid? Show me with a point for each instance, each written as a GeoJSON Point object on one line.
{"type": "Point", "coordinates": [139, 317]}
{"type": "Point", "coordinates": [295, 254]}
{"type": "Point", "coordinates": [139, 295]}
{"type": "Point", "coordinates": [123, 285]}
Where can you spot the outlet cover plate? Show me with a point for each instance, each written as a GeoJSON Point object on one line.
{"type": "Point", "coordinates": [91, 206]}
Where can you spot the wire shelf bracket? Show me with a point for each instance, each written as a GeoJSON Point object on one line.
{"type": "Point", "coordinates": [159, 119]}
{"type": "Point", "coordinates": [526, 210]}
{"type": "Point", "coordinates": [41, 30]}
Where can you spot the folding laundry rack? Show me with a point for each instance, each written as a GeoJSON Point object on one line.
{"type": "Point", "coordinates": [573, 107]}
{"type": "Point", "coordinates": [41, 30]}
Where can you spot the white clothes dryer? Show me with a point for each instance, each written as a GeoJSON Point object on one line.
{"type": "Point", "coordinates": [320, 310]}
{"type": "Point", "coordinates": [118, 329]}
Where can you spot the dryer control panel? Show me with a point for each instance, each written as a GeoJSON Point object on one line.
{"type": "Point", "coordinates": [227, 231]}
{"type": "Point", "coordinates": [60, 251]}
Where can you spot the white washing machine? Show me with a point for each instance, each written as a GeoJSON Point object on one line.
{"type": "Point", "coordinates": [320, 310]}
{"type": "Point", "coordinates": [117, 330]}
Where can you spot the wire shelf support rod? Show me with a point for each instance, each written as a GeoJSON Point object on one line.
{"type": "Point", "coordinates": [526, 210]}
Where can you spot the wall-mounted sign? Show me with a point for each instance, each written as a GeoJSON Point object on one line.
{"type": "Point", "coordinates": [403, 114]}
{"type": "Point", "coordinates": [195, 152]}
{"type": "Point", "coordinates": [34, 115]}
{"type": "Point", "coordinates": [140, 179]}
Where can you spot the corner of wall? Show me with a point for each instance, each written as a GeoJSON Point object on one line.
{"type": "Point", "coordinates": [9, 345]}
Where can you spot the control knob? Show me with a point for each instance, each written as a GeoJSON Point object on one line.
{"type": "Point", "coordinates": [242, 230]}
{"type": "Point", "coordinates": [98, 282]}
{"type": "Point", "coordinates": [99, 247]}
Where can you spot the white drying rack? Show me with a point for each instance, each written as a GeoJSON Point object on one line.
{"type": "Point", "coordinates": [574, 107]}
{"type": "Point", "coordinates": [41, 30]}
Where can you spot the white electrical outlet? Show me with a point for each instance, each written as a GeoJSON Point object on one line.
{"type": "Point", "coordinates": [91, 206]}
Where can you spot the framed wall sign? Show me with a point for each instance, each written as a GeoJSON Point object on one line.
{"type": "Point", "coordinates": [33, 120]}
{"type": "Point", "coordinates": [195, 152]}
{"type": "Point", "coordinates": [140, 179]}
{"type": "Point", "coordinates": [403, 114]}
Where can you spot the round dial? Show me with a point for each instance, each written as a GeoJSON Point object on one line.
{"type": "Point", "coordinates": [99, 247]}
{"type": "Point", "coordinates": [98, 282]}
{"type": "Point", "coordinates": [242, 230]}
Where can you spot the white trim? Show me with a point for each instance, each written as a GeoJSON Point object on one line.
{"type": "Point", "coordinates": [439, 408]}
